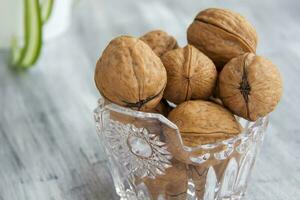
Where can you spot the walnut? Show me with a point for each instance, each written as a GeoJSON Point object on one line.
{"type": "Point", "coordinates": [130, 74]}
{"type": "Point", "coordinates": [191, 75]}
{"type": "Point", "coordinates": [204, 122]}
{"type": "Point", "coordinates": [222, 34]}
{"type": "Point", "coordinates": [250, 86]}
{"type": "Point", "coordinates": [170, 185]}
{"type": "Point", "coordinates": [174, 183]}
{"type": "Point", "coordinates": [159, 41]}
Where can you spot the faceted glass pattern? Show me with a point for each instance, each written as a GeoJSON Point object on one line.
{"type": "Point", "coordinates": [141, 146]}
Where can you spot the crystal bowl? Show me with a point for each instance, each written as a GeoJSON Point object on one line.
{"type": "Point", "coordinates": [148, 160]}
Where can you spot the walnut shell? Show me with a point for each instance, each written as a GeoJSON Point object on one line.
{"type": "Point", "coordinates": [250, 86]}
{"type": "Point", "coordinates": [159, 41]}
{"type": "Point", "coordinates": [172, 184]}
{"type": "Point", "coordinates": [222, 35]}
{"type": "Point", "coordinates": [204, 122]}
{"type": "Point", "coordinates": [190, 74]}
{"type": "Point", "coordinates": [130, 74]}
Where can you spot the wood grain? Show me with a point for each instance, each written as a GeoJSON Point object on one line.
{"type": "Point", "coordinates": [48, 145]}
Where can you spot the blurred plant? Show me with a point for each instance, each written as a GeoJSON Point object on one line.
{"type": "Point", "coordinates": [36, 14]}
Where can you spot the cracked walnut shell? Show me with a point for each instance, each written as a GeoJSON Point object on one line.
{"type": "Point", "coordinates": [130, 74]}
{"type": "Point", "coordinates": [190, 74]}
{"type": "Point", "coordinates": [250, 86]}
{"type": "Point", "coordinates": [203, 122]}
{"type": "Point", "coordinates": [222, 35]}
{"type": "Point", "coordinates": [159, 41]}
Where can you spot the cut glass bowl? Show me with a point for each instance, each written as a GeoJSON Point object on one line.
{"type": "Point", "coordinates": [143, 147]}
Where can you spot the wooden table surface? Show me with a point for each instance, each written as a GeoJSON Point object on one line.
{"type": "Point", "coordinates": [48, 145]}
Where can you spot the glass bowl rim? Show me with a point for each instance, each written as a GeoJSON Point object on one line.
{"type": "Point", "coordinates": [246, 133]}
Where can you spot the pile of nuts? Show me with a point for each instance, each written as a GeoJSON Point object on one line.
{"type": "Point", "coordinates": [214, 78]}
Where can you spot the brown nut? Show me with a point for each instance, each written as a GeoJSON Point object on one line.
{"type": "Point", "coordinates": [191, 75]}
{"type": "Point", "coordinates": [250, 86]}
{"type": "Point", "coordinates": [204, 122]}
{"type": "Point", "coordinates": [159, 41]}
{"type": "Point", "coordinates": [174, 184]}
{"type": "Point", "coordinates": [171, 185]}
{"type": "Point", "coordinates": [222, 34]}
{"type": "Point", "coordinates": [130, 74]}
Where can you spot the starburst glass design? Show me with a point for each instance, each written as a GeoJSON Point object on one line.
{"type": "Point", "coordinates": [140, 152]}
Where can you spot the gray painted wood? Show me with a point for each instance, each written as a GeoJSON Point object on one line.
{"type": "Point", "coordinates": [48, 146]}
